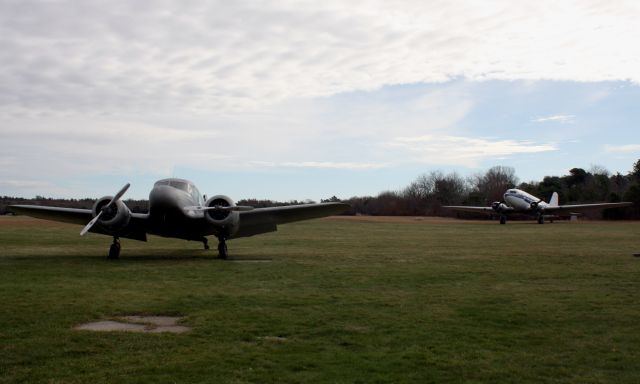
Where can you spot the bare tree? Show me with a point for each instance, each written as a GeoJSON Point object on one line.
{"type": "Point", "coordinates": [492, 184]}
{"type": "Point", "coordinates": [450, 189]}
{"type": "Point", "coordinates": [599, 170]}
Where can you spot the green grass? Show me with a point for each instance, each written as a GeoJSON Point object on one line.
{"type": "Point", "coordinates": [340, 302]}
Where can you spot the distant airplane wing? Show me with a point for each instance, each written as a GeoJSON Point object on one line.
{"type": "Point", "coordinates": [464, 208]}
{"type": "Point", "coordinates": [135, 230]}
{"type": "Point", "coordinates": [262, 220]}
{"type": "Point", "coordinates": [584, 207]}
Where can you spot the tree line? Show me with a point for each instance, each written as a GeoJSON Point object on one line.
{"type": "Point", "coordinates": [426, 195]}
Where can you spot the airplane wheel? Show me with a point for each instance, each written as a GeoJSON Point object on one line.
{"type": "Point", "coordinates": [222, 249]}
{"type": "Point", "coordinates": [503, 220]}
{"type": "Point", "coordinates": [540, 219]}
{"type": "Point", "coordinates": [114, 251]}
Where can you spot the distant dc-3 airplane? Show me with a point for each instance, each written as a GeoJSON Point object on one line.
{"type": "Point", "coordinates": [518, 201]}
{"type": "Point", "coordinates": [177, 209]}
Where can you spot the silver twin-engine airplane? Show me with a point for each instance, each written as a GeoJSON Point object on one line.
{"type": "Point", "coordinates": [518, 201]}
{"type": "Point", "coordinates": [177, 209]}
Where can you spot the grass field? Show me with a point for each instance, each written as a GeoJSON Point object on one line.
{"type": "Point", "coordinates": [340, 301]}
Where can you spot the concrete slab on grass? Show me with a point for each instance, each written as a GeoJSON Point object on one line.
{"type": "Point", "coordinates": [143, 324]}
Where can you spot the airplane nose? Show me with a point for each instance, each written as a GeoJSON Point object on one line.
{"type": "Point", "coordinates": [166, 197]}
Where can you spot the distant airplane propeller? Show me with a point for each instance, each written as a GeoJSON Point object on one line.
{"type": "Point", "coordinates": [535, 204]}
{"type": "Point", "coordinates": [104, 209]}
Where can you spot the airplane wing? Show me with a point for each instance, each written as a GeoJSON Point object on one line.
{"type": "Point", "coordinates": [560, 209]}
{"type": "Point", "coordinates": [464, 208]}
{"type": "Point", "coordinates": [576, 208]}
{"type": "Point", "coordinates": [65, 215]}
{"type": "Point", "coordinates": [262, 220]}
{"type": "Point", "coordinates": [135, 230]}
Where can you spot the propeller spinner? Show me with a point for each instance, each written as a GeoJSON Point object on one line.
{"type": "Point", "coordinates": [105, 209]}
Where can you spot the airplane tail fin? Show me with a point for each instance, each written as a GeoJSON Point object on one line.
{"type": "Point", "coordinates": [554, 199]}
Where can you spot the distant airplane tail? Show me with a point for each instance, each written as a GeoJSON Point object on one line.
{"type": "Point", "coordinates": [554, 199]}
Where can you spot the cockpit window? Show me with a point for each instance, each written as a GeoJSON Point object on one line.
{"type": "Point", "coordinates": [180, 185]}
{"type": "Point", "coordinates": [184, 186]}
{"type": "Point", "coordinates": [196, 194]}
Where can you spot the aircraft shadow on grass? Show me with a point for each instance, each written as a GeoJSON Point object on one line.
{"type": "Point", "coordinates": [173, 255]}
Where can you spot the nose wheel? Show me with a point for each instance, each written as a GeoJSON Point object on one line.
{"type": "Point", "coordinates": [114, 250]}
{"type": "Point", "coordinates": [222, 249]}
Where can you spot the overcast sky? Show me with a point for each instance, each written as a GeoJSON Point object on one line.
{"type": "Point", "coordinates": [306, 99]}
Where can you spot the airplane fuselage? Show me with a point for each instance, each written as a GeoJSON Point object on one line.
{"type": "Point", "coordinates": [521, 200]}
{"type": "Point", "coordinates": [167, 215]}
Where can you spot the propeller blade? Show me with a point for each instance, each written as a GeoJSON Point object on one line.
{"type": "Point", "coordinates": [242, 208]}
{"type": "Point", "coordinates": [117, 196]}
{"type": "Point", "coordinates": [91, 223]}
{"type": "Point", "coordinates": [194, 208]}
{"type": "Point", "coordinates": [113, 200]}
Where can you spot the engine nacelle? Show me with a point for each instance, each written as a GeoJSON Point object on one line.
{"type": "Point", "coordinates": [498, 206]}
{"type": "Point", "coordinates": [227, 221]}
{"type": "Point", "coordinates": [113, 219]}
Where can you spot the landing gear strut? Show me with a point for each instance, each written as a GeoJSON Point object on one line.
{"type": "Point", "coordinates": [222, 248]}
{"type": "Point", "coordinates": [205, 242]}
{"type": "Point", "coordinates": [114, 250]}
{"type": "Point", "coordinates": [503, 219]}
{"type": "Point", "coordinates": [540, 218]}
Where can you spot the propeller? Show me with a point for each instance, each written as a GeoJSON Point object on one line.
{"type": "Point", "coordinates": [104, 209]}
{"type": "Point", "coordinates": [235, 208]}
{"type": "Point", "coordinates": [498, 206]}
{"type": "Point", "coordinates": [534, 205]}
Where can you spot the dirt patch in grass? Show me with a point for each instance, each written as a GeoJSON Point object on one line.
{"type": "Point", "coordinates": [144, 324]}
{"type": "Point", "coordinates": [274, 339]}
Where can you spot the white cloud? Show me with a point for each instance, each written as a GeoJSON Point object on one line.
{"type": "Point", "coordinates": [120, 87]}
{"type": "Point", "coordinates": [63, 147]}
{"type": "Point", "coordinates": [211, 56]}
{"type": "Point", "coordinates": [464, 151]}
{"type": "Point", "coordinates": [628, 148]}
{"type": "Point", "coordinates": [24, 184]}
{"type": "Point", "coordinates": [555, 118]}
{"type": "Point", "coordinates": [320, 164]}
